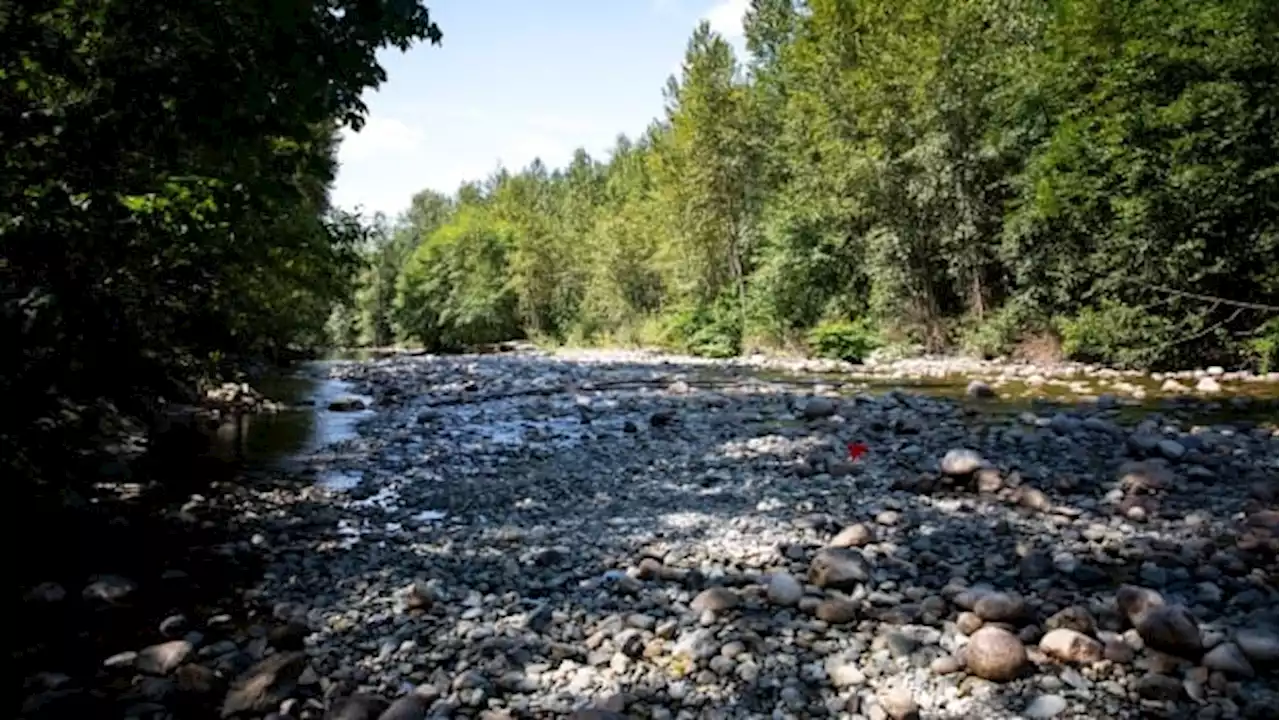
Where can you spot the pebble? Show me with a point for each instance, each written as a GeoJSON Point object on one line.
{"type": "Point", "coordinates": [621, 535]}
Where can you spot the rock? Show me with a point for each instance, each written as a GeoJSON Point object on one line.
{"type": "Point", "coordinates": [1260, 646]}
{"type": "Point", "coordinates": [1208, 385]}
{"type": "Point", "coordinates": [1145, 476]}
{"type": "Point", "coordinates": [1045, 706]}
{"type": "Point", "coordinates": [1171, 629]}
{"type": "Point", "coordinates": [1000, 607]}
{"type": "Point", "coordinates": [1033, 498]}
{"type": "Point", "coordinates": [855, 535]}
{"type": "Point", "coordinates": [111, 589]}
{"type": "Point", "coordinates": [784, 589]}
{"type": "Point", "coordinates": [418, 595]}
{"type": "Point", "coordinates": [1159, 687]}
{"type": "Point", "coordinates": [46, 593]}
{"type": "Point", "coordinates": [698, 644]}
{"type": "Point", "coordinates": [899, 703]}
{"type": "Point", "coordinates": [946, 665]}
{"type": "Point", "coordinates": [1118, 651]}
{"type": "Point", "coordinates": [836, 611]}
{"type": "Point", "coordinates": [1072, 617]}
{"type": "Point", "coordinates": [995, 654]}
{"type": "Point", "coordinates": [264, 686]}
{"type": "Point", "coordinates": [1228, 658]}
{"type": "Point", "coordinates": [968, 623]}
{"type": "Point", "coordinates": [1172, 386]}
{"type": "Point", "coordinates": [163, 658]}
{"type": "Point", "coordinates": [979, 390]}
{"type": "Point", "coordinates": [596, 714]}
{"type": "Point", "coordinates": [988, 480]}
{"type": "Point", "coordinates": [961, 462]}
{"type": "Point", "coordinates": [346, 404]}
{"type": "Point", "coordinates": [357, 707]}
{"type": "Point", "coordinates": [289, 636]}
{"type": "Point", "coordinates": [1134, 602]}
{"type": "Point", "coordinates": [838, 568]}
{"type": "Point", "coordinates": [121, 660]}
{"type": "Point", "coordinates": [1071, 646]}
{"type": "Point", "coordinates": [1171, 449]}
{"type": "Point", "coordinates": [818, 407]}
{"type": "Point", "coordinates": [716, 599]}
{"type": "Point", "coordinates": [194, 679]}
{"type": "Point", "coordinates": [662, 418]}
{"type": "Point", "coordinates": [843, 673]}
{"type": "Point", "coordinates": [417, 704]}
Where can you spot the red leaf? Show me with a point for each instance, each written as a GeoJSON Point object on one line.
{"type": "Point", "coordinates": [857, 450]}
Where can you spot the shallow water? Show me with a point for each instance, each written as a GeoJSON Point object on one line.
{"type": "Point", "coordinates": [304, 426]}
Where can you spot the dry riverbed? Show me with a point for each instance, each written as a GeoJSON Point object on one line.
{"type": "Point", "coordinates": [633, 535]}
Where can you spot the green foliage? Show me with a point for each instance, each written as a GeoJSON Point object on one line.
{"type": "Point", "coordinates": [1264, 346]}
{"type": "Point", "coordinates": [958, 170]}
{"type": "Point", "coordinates": [163, 200]}
{"type": "Point", "coordinates": [454, 291]}
{"type": "Point", "coordinates": [848, 341]}
{"type": "Point", "coordinates": [1116, 333]}
{"type": "Point", "coordinates": [998, 333]}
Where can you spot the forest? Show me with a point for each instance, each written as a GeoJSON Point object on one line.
{"type": "Point", "coordinates": [1088, 179]}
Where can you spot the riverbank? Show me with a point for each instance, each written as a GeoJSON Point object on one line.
{"type": "Point", "coordinates": [528, 534]}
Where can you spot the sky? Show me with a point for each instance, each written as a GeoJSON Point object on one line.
{"type": "Point", "coordinates": [515, 80]}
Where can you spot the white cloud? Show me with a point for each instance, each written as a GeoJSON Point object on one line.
{"type": "Point", "coordinates": [379, 137]}
{"type": "Point", "coordinates": [726, 17]}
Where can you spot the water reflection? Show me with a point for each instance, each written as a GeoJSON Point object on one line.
{"type": "Point", "coordinates": [304, 426]}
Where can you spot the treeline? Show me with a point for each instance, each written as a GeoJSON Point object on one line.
{"type": "Point", "coordinates": [987, 175]}
{"type": "Point", "coordinates": [164, 210]}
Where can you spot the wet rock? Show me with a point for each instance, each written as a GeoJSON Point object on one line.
{"type": "Point", "coordinates": [265, 685]}
{"type": "Point", "coordinates": [346, 404]}
{"type": "Point", "coordinates": [784, 589]}
{"type": "Point", "coordinates": [855, 535]}
{"type": "Point", "coordinates": [716, 599]}
{"type": "Point", "coordinates": [163, 658]}
{"type": "Point", "coordinates": [838, 569]}
{"type": "Point", "coordinates": [1071, 646]}
{"type": "Point", "coordinates": [1171, 449]}
{"type": "Point", "coordinates": [978, 390]}
{"type": "Point", "coordinates": [357, 707]}
{"type": "Point", "coordinates": [1145, 476]}
{"type": "Point", "coordinates": [995, 654]}
{"type": "Point", "coordinates": [1228, 658]}
{"type": "Point", "coordinates": [662, 418]}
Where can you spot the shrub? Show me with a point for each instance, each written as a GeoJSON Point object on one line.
{"type": "Point", "coordinates": [1116, 334]}
{"type": "Point", "coordinates": [848, 341]}
{"type": "Point", "coordinates": [1264, 347]}
{"type": "Point", "coordinates": [999, 333]}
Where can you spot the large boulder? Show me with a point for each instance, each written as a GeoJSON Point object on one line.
{"type": "Point", "coordinates": [995, 654]}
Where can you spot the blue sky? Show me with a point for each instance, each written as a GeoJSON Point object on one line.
{"type": "Point", "coordinates": [514, 80]}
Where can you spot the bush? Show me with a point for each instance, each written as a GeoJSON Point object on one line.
{"type": "Point", "coordinates": [710, 331]}
{"type": "Point", "coordinates": [1264, 347]}
{"type": "Point", "coordinates": [848, 341]}
{"type": "Point", "coordinates": [999, 333]}
{"type": "Point", "coordinates": [1114, 334]}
